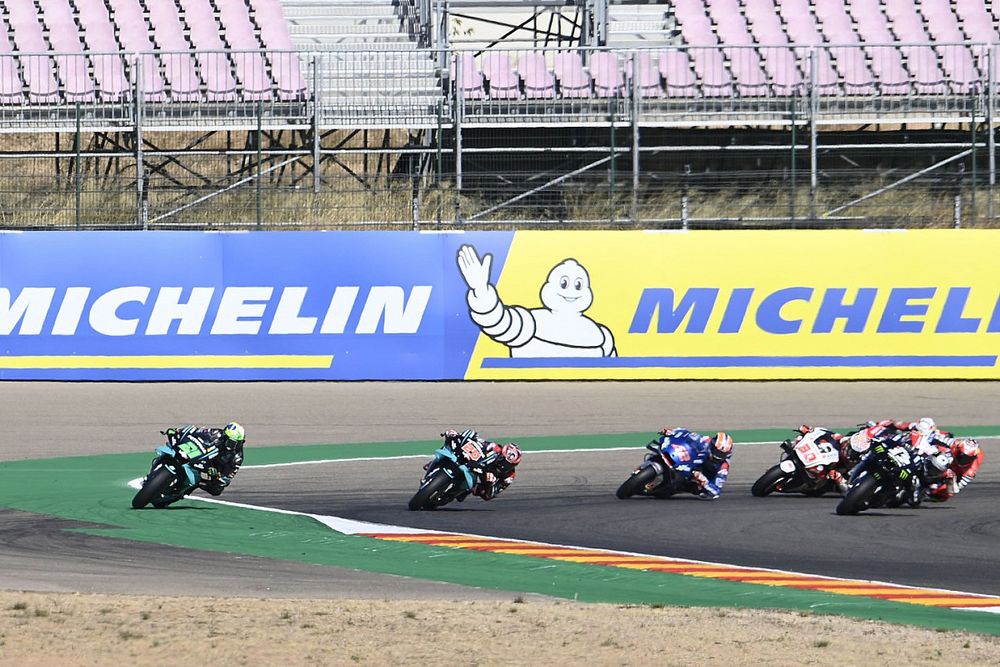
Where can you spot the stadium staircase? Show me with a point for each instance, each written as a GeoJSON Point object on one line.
{"type": "Point", "coordinates": [370, 59]}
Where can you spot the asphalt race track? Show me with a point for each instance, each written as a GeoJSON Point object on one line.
{"type": "Point", "coordinates": [565, 498]}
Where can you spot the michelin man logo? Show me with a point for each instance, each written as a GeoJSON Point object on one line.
{"type": "Point", "coordinates": [558, 329]}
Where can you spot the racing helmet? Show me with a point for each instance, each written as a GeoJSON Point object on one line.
{"type": "Point", "coordinates": [722, 446]}
{"type": "Point", "coordinates": [965, 450]}
{"type": "Point", "coordinates": [234, 432]}
{"type": "Point", "coordinates": [511, 453]}
{"type": "Point", "coordinates": [925, 426]}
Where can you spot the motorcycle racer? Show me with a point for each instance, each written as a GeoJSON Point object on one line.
{"type": "Point", "coordinates": [848, 456]}
{"type": "Point", "coordinates": [229, 440]}
{"type": "Point", "coordinates": [708, 465]}
{"type": "Point", "coordinates": [958, 461]}
{"type": "Point", "coordinates": [496, 468]}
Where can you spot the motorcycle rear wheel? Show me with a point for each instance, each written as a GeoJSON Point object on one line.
{"type": "Point", "coordinates": [858, 498]}
{"type": "Point", "coordinates": [426, 495]}
{"type": "Point", "coordinates": [770, 482]}
{"type": "Point", "coordinates": [154, 487]}
{"type": "Point", "coordinates": [636, 483]}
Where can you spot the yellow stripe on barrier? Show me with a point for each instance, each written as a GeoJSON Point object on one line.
{"type": "Point", "coordinates": [197, 361]}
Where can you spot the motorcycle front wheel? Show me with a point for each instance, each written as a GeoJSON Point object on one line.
{"type": "Point", "coordinates": [428, 495]}
{"type": "Point", "coordinates": [637, 482]}
{"type": "Point", "coordinates": [859, 497]}
{"type": "Point", "coordinates": [770, 481]}
{"type": "Point", "coordinates": [154, 487]}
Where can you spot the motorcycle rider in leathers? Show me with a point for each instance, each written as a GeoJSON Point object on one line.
{"type": "Point", "coordinates": [224, 466]}
{"type": "Point", "coordinates": [711, 461]}
{"type": "Point", "coordinates": [958, 461]}
{"type": "Point", "coordinates": [496, 469]}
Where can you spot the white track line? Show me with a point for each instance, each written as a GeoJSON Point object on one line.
{"type": "Point", "coordinates": [526, 452]}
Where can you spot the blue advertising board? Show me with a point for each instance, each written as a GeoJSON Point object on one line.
{"type": "Point", "coordinates": [236, 306]}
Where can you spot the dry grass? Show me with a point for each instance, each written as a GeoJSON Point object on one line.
{"type": "Point", "coordinates": [44, 629]}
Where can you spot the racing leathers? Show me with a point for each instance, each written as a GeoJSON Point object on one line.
{"type": "Point", "coordinates": [223, 466]}
{"type": "Point", "coordinates": [700, 463]}
{"type": "Point", "coordinates": [959, 473]}
{"type": "Point", "coordinates": [494, 472]}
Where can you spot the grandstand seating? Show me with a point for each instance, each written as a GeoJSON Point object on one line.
{"type": "Point", "coordinates": [95, 51]}
{"type": "Point", "coordinates": [755, 49]}
{"type": "Point", "coordinates": [68, 51]}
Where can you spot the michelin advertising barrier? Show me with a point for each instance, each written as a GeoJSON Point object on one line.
{"type": "Point", "coordinates": [500, 305]}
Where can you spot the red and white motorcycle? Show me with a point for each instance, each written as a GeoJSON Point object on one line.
{"type": "Point", "coordinates": [808, 465]}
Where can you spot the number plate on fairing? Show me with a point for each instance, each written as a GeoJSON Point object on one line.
{"type": "Point", "coordinates": [816, 453]}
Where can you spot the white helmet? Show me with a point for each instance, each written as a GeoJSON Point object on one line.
{"type": "Point", "coordinates": [925, 426]}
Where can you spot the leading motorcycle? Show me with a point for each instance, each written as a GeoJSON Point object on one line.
{"type": "Point", "coordinates": [805, 465]}
{"type": "Point", "coordinates": [179, 465]}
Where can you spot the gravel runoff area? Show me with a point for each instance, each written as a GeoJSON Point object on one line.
{"type": "Point", "coordinates": [403, 627]}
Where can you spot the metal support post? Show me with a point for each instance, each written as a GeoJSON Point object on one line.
{"type": "Point", "coordinates": [459, 113]}
{"type": "Point", "coordinates": [813, 110]}
{"type": "Point", "coordinates": [975, 184]}
{"type": "Point", "coordinates": [794, 174]}
{"type": "Point", "coordinates": [139, 166]}
{"type": "Point", "coordinates": [260, 137]}
{"type": "Point", "coordinates": [317, 156]}
{"type": "Point", "coordinates": [76, 172]}
{"type": "Point", "coordinates": [991, 107]}
{"type": "Point", "coordinates": [636, 93]}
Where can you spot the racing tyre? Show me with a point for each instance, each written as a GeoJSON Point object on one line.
{"type": "Point", "coordinates": [154, 487]}
{"type": "Point", "coordinates": [636, 483]}
{"type": "Point", "coordinates": [858, 498]}
{"type": "Point", "coordinates": [428, 495]}
{"type": "Point", "coordinates": [770, 481]}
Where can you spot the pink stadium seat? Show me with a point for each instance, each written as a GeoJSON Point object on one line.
{"type": "Point", "coordinates": [573, 80]}
{"type": "Point", "coordinates": [695, 24]}
{"type": "Point", "coordinates": [213, 64]}
{"type": "Point", "coordinates": [64, 37]}
{"type": "Point", "coordinates": [873, 26]}
{"type": "Point", "coordinates": [709, 65]}
{"type": "Point", "coordinates": [890, 74]}
{"type": "Point", "coordinates": [678, 75]}
{"type": "Point", "coordinates": [960, 68]}
{"type": "Point", "coordinates": [608, 78]}
{"type": "Point", "coordinates": [498, 71]}
{"type": "Point", "coordinates": [285, 65]}
{"type": "Point", "coordinates": [99, 35]}
{"type": "Point", "coordinates": [748, 71]}
{"type": "Point", "coordinates": [645, 75]}
{"type": "Point", "coordinates": [134, 35]}
{"type": "Point", "coordinates": [922, 62]}
{"type": "Point", "coordinates": [853, 68]}
{"type": "Point", "coordinates": [11, 86]}
{"type": "Point", "coordinates": [782, 69]}
{"type": "Point", "coordinates": [539, 82]}
{"type": "Point", "coordinates": [178, 63]}
{"type": "Point", "coordinates": [471, 82]}
{"type": "Point", "coordinates": [976, 21]}
{"type": "Point", "coordinates": [29, 40]}
{"type": "Point", "coordinates": [835, 23]}
{"type": "Point", "coordinates": [251, 70]}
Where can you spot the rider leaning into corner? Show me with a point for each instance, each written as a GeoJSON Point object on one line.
{"type": "Point", "coordinates": [496, 468]}
{"type": "Point", "coordinates": [229, 441]}
{"type": "Point", "coordinates": [709, 464]}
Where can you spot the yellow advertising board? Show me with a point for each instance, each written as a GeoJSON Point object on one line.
{"type": "Point", "coordinates": [795, 304]}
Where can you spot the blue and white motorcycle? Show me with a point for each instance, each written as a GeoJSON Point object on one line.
{"type": "Point", "coordinates": [179, 465]}
{"type": "Point", "coordinates": [451, 474]}
{"type": "Point", "coordinates": [665, 472]}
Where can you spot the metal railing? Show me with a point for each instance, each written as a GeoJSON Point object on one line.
{"type": "Point", "coordinates": [400, 138]}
